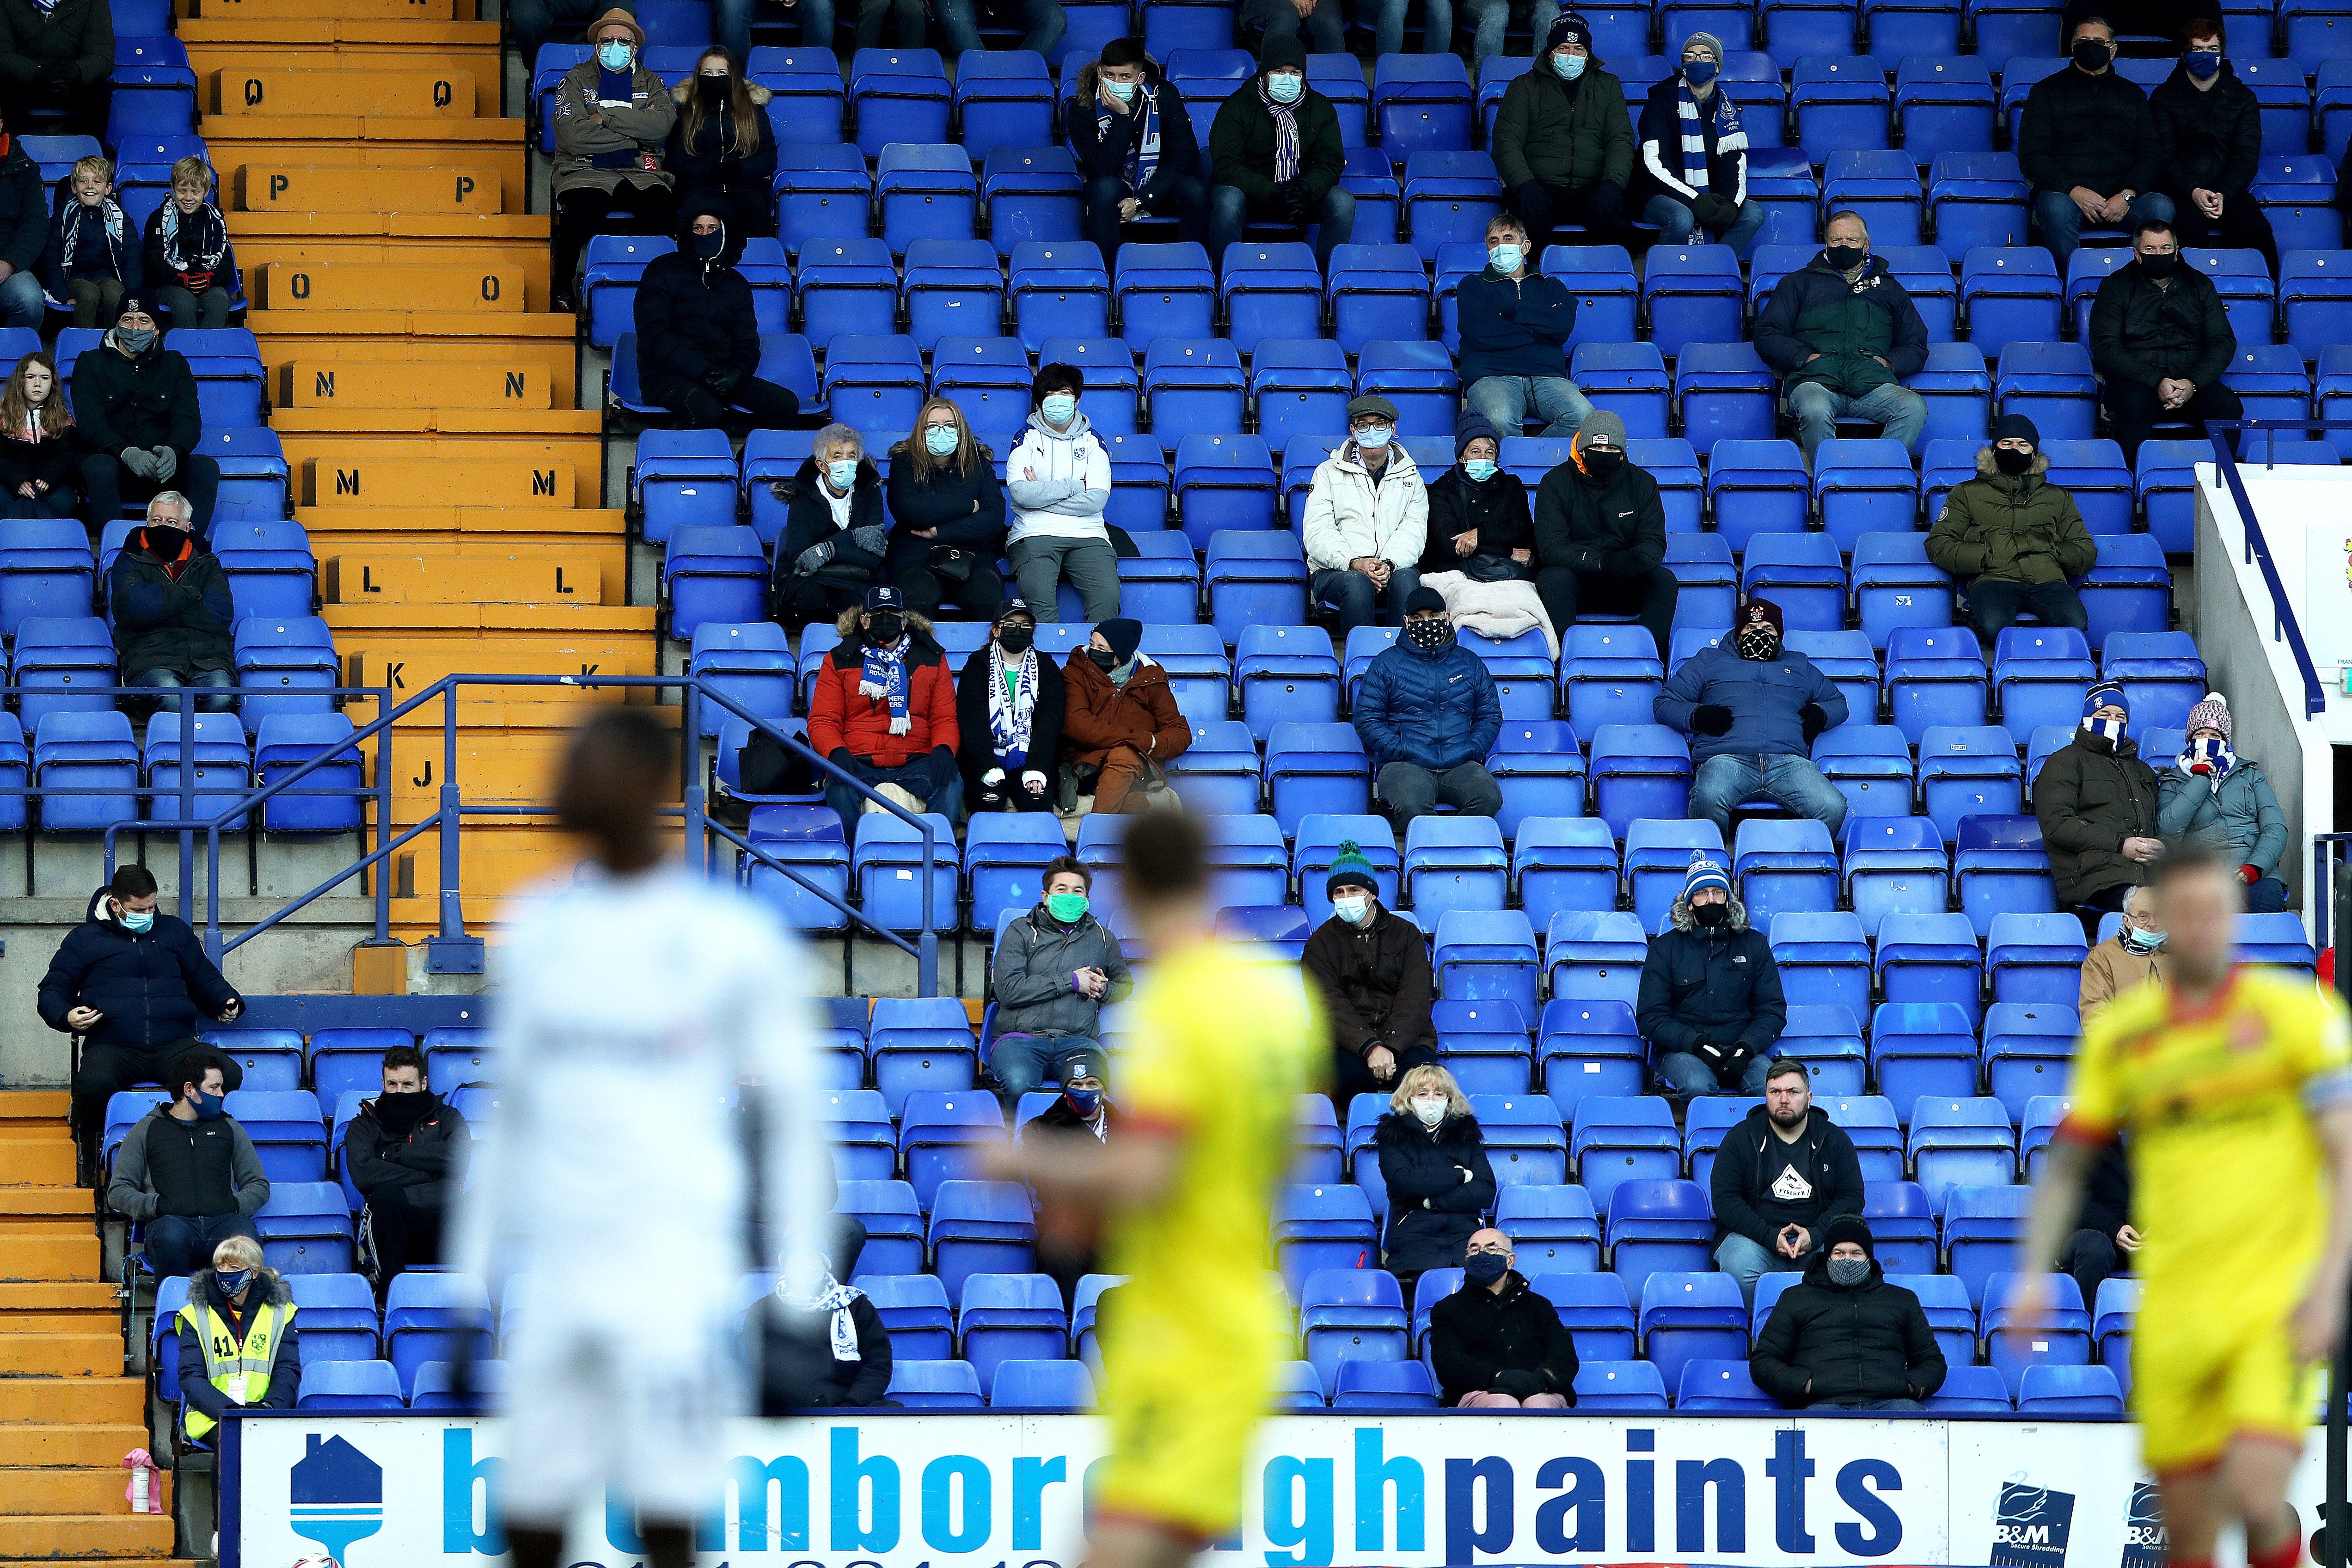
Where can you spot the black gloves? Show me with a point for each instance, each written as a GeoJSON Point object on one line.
{"type": "Point", "coordinates": [1718, 213]}
{"type": "Point", "coordinates": [1711, 719]}
{"type": "Point", "coordinates": [1813, 720]}
{"type": "Point", "coordinates": [721, 379]}
{"type": "Point", "coordinates": [1518, 1385]}
{"type": "Point", "coordinates": [1291, 197]}
{"type": "Point", "coordinates": [1533, 204]}
{"type": "Point", "coordinates": [840, 757]}
{"type": "Point", "coordinates": [1727, 1062]}
{"type": "Point", "coordinates": [1604, 203]}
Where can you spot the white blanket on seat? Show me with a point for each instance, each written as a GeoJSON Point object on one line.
{"type": "Point", "coordinates": [1497, 610]}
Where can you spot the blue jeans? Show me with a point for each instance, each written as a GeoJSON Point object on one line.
{"type": "Point", "coordinates": [1677, 224]}
{"type": "Point", "coordinates": [938, 783]}
{"type": "Point", "coordinates": [1230, 209]}
{"type": "Point", "coordinates": [20, 300]}
{"type": "Point", "coordinates": [1747, 1262]}
{"type": "Point", "coordinates": [2266, 897]}
{"type": "Point", "coordinates": [215, 681]}
{"type": "Point", "coordinates": [1492, 19]}
{"type": "Point", "coordinates": [1728, 778]}
{"type": "Point", "coordinates": [1043, 19]}
{"type": "Point", "coordinates": [905, 17]}
{"type": "Point", "coordinates": [1505, 401]}
{"type": "Point", "coordinates": [1902, 413]}
{"type": "Point", "coordinates": [1688, 1073]}
{"type": "Point", "coordinates": [1353, 597]}
{"type": "Point", "coordinates": [2061, 220]}
{"type": "Point", "coordinates": [1020, 1063]}
{"type": "Point", "coordinates": [180, 1244]}
{"type": "Point", "coordinates": [1388, 26]}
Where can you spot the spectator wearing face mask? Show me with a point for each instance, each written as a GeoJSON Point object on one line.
{"type": "Point", "coordinates": [2161, 340]}
{"type": "Point", "coordinates": [884, 712]}
{"type": "Point", "coordinates": [1515, 325]}
{"type": "Point", "coordinates": [1694, 155]}
{"type": "Point", "coordinates": [174, 617]}
{"type": "Point", "coordinates": [239, 1316]}
{"type": "Point", "coordinates": [135, 402]}
{"type": "Point", "coordinates": [613, 120]}
{"type": "Point", "coordinates": [1563, 140]}
{"type": "Point", "coordinates": [1121, 727]}
{"type": "Point", "coordinates": [834, 548]}
{"type": "Point", "coordinates": [1009, 707]}
{"type": "Point", "coordinates": [1371, 969]}
{"type": "Point", "coordinates": [1711, 1003]}
{"type": "Point", "coordinates": [1843, 333]}
{"type": "Point", "coordinates": [1059, 481]}
{"type": "Point", "coordinates": [2215, 798]}
{"type": "Point", "coordinates": [1781, 1177]}
{"type": "Point", "coordinates": [1135, 146]}
{"type": "Point", "coordinates": [1366, 520]}
{"type": "Point", "coordinates": [1478, 519]}
{"type": "Point", "coordinates": [2133, 956]}
{"type": "Point", "coordinates": [2211, 128]}
{"type": "Point", "coordinates": [405, 1152]}
{"type": "Point", "coordinates": [1082, 1110]}
{"type": "Point", "coordinates": [1275, 148]}
{"type": "Point", "coordinates": [1600, 536]}
{"type": "Point", "coordinates": [1055, 969]}
{"type": "Point", "coordinates": [947, 514]}
{"type": "Point", "coordinates": [2012, 538]}
{"type": "Point", "coordinates": [1753, 710]}
{"type": "Point", "coordinates": [188, 1171]}
{"type": "Point", "coordinates": [2098, 805]}
{"type": "Point", "coordinates": [722, 149]}
{"type": "Point", "coordinates": [1843, 1337]}
{"type": "Point", "coordinates": [1498, 1345]}
{"type": "Point", "coordinates": [2089, 146]}
{"type": "Point", "coordinates": [1428, 712]}
{"type": "Point", "coordinates": [1433, 1165]}
{"type": "Point", "coordinates": [698, 341]}
{"type": "Point", "coordinates": [811, 1306]}
{"type": "Point", "coordinates": [2104, 1236]}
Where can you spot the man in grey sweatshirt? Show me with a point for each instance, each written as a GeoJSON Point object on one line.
{"type": "Point", "coordinates": [189, 1171]}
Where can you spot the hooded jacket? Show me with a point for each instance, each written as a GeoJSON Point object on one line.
{"type": "Point", "coordinates": [1032, 972]}
{"type": "Point", "coordinates": [842, 718]}
{"type": "Point", "coordinates": [1564, 134]}
{"type": "Point", "coordinates": [693, 316]}
{"type": "Point", "coordinates": [592, 157]}
{"type": "Point", "coordinates": [1660, 131]}
{"type": "Point", "coordinates": [2090, 796]}
{"type": "Point", "coordinates": [1099, 715]}
{"type": "Point", "coordinates": [1475, 1333]}
{"type": "Point", "coordinates": [714, 165]}
{"type": "Point", "coordinates": [1764, 697]}
{"type": "Point", "coordinates": [1101, 141]}
{"type": "Point", "coordinates": [77, 36]}
{"type": "Point", "coordinates": [1241, 142]}
{"type": "Point", "coordinates": [966, 510]}
{"type": "Point", "coordinates": [1375, 982]}
{"type": "Point", "coordinates": [2111, 968]}
{"type": "Point", "coordinates": [1497, 511]}
{"type": "Point", "coordinates": [1436, 711]}
{"type": "Point", "coordinates": [54, 459]}
{"type": "Point", "coordinates": [420, 1165]}
{"type": "Point", "coordinates": [167, 621]}
{"type": "Point", "coordinates": [105, 244]}
{"type": "Point", "coordinates": [809, 519]}
{"type": "Point", "coordinates": [1513, 326]}
{"type": "Point", "coordinates": [2091, 131]}
{"type": "Point", "coordinates": [1842, 1344]}
{"type": "Point", "coordinates": [23, 202]}
{"type": "Point", "coordinates": [1718, 984]}
{"type": "Point", "coordinates": [2143, 332]}
{"type": "Point", "coordinates": [1066, 499]}
{"type": "Point", "coordinates": [1850, 325]}
{"type": "Point", "coordinates": [162, 1148]}
{"type": "Point", "coordinates": [978, 752]}
{"type": "Point", "coordinates": [146, 400]}
{"type": "Point", "coordinates": [2214, 139]}
{"type": "Point", "coordinates": [2020, 529]}
{"type": "Point", "coordinates": [1350, 516]}
{"type": "Point", "coordinates": [1750, 1163]}
{"type": "Point", "coordinates": [2241, 820]}
{"type": "Point", "coordinates": [1438, 1183]}
{"type": "Point", "coordinates": [1615, 527]}
{"type": "Point", "coordinates": [267, 1289]}
{"type": "Point", "coordinates": [152, 988]}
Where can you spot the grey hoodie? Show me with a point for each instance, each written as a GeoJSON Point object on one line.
{"type": "Point", "coordinates": [132, 1194]}
{"type": "Point", "coordinates": [1066, 499]}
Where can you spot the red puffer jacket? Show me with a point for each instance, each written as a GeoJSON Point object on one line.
{"type": "Point", "coordinates": [839, 717]}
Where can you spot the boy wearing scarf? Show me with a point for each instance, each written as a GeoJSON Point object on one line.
{"type": "Point", "coordinates": [1135, 147]}
{"type": "Point", "coordinates": [1278, 156]}
{"type": "Point", "coordinates": [2213, 796]}
{"type": "Point", "coordinates": [1695, 154]}
{"type": "Point", "coordinates": [884, 712]}
{"type": "Point", "coordinates": [191, 264]}
{"type": "Point", "coordinates": [2096, 802]}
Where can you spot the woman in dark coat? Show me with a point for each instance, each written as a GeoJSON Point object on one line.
{"type": "Point", "coordinates": [947, 511]}
{"type": "Point", "coordinates": [852, 1346]}
{"type": "Point", "coordinates": [722, 149]}
{"type": "Point", "coordinates": [1478, 518]}
{"type": "Point", "coordinates": [1009, 705]}
{"type": "Point", "coordinates": [1434, 1163]}
{"type": "Point", "coordinates": [831, 547]}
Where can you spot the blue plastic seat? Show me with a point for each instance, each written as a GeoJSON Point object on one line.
{"type": "Point", "coordinates": [1594, 955]}
{"type": "Point", "coordinates": [2129, 590]}
{"type": "Point", "coordinates": [1322, 1226]}
{"type": "Point", "coordinates": [1589, 1047]}
{"type": "Point", "coordinates": [1883, 185]}
{"type": "Point", "coordinates": [1389, 1386]}
{"type": "Point", "coordinates": [2061, 1341]}
{"type": "Point", "coordinates": [1935, 676]}
{"type": "Point", "coordinates": [1757, 487]}
{"type": "Point", "coordinates": [350, 1385]}
{"type": "Point", "coordinates": [222, 769]}
{"type": "Point", "coordinates": [1950, 1311]}
{"type": "Point", "coordinates": [1618, 1388]}
{"type": "Point", "coordinates": [284, 741]}
{"type": "Point", "coordinates": [1616, 1139]}
{"type": "Point", "coordinates": [1421, 103]}
{"type": "Point", "coordinates": [1525, 1141]}
{"type": "Point", "coordinates": [977, 1228]}
{"type": "Point", "coordinates": [1563, 863]}
{"type": "Point", "coordinates": [1658, 1226]}
{"type": "Point", "coordinates": [902, 94]}
{"type": "Point", "coordinates": [1824, 959]}
{"type": "Point", "coordinates": [2053, 1390]}
{"type": "Point", "coordinates": [1921, 1048]}
{"type": "Point", "coordinates": [1687, 1317]}
{"type": "Point", "coordinates": [1287, 673]}
{"type": "Point", "coordinates": [1164, 290]}
{"type": "Point", "coordinates": [935, 1384]}
{"type": "Point", "coordinates": [2003, 869]}
{"type": "Point", "coordinates": [1377, 292]}
{"type": "Point", "coordinates": [914, 1312]}
{"type": "Point", "coordinates": [2315, 297]}
{"type": "Point", "coordinates": [1300, 386]}
{"type": "Point", "coordinates": [1551, 1227]}
{"type": "Point", "coordinates": [713, 575]}
{"type": "Point", "coordinates": [1982, 1227]}
{"type": "Point", "coordinates": [1902, 1219]}
{"type": "Point", "coordinates": [893, 1221]}
{"type": "Point", "coordinates": [87, 767]}
{"type": "Point", "coordinates": [1781, 866]}
{"type": "Point", "coordinates": [1977, 199]}
{"type": "Point", "coordinates": [2028, 1048]}
{"type": "Point", "coordinates": [1961, 1143]}
{"type": "Point", "coordinates": [1802, 572]}
{"type": "Point", "coordinates": [1894, 864]}
{"type": "Point", "coordinates": [2009, 295]}
{"type": "Point", "coordinates": [1044, 1387]}
{"type": "Point", "coordinates": [1710, 1384]}
{"type": "Point", "coordinates": [1449, 195]}
{"type": "Point", "coordinates": [2035, 958]}
{"type": "Point", "coordinates": [1826, 1039]}
{"type": "Point", "coordinates": [306, 1228]}
{"type": "Point", "coordinates": [434, 1317]}
{"type": "Point", "coordinates": [1839, 101]}
{"type": "Point", "coordinates": [936, 1127]}
{"type": "Point", "coordinates": [952, 289]}
{"type": "Point", "coordinates": [1316, 769]}
{"type": "Point", "coordinates": [1009, 1318]}
{"type": "Point", "coordinates": [2161, 673]}
{"type": "Point", "coordinates": [1967, 770]}
{"type": "Point", "coordinates": [1870, 764]}
{"type": "Point", "coordinates": [1639, 771]}
{"type": "Point", "coordinates": [1351, 1314]}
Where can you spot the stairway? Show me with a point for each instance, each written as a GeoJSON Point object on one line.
{"type": "Point", "coordinates": [66, 1413]}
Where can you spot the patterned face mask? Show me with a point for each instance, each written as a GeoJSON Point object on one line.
{"type": "Point", "coordinates": [1758, 643]}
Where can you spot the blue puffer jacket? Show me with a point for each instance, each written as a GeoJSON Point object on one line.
{"type": "Point", "coordinates": [153, 987]}
{"type": "Point", "coordinates": [1763, 699]}
{"type": "Point", "coordinates": [1436, 711]}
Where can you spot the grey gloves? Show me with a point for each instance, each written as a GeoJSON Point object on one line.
{"type": "Point", "coordinates": [813, 558]}
{"type": "Point", "coordinates": [167, 463]}
{"type": "Point", "coordinates": [139, 461]}
{"type": "Point", "coordinates": [869, 538]}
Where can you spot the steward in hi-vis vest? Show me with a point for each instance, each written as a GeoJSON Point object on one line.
{"type": "Point", "coordinates": [237, 1342]}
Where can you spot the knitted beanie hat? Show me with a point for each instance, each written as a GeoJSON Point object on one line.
{"type": "Point", "coordinates": [1350, 870]}
{"type": "Point", "coordinates": [2106, 694]}
{"type": "Point", "coordinates": [1703, 873]}
{"type": "Point", "coordinates": [2213, 713]}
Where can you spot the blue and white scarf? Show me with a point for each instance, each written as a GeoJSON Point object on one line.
{"type": "Point", "coordinates": [831, 1297]}
{"type": "Point", "coordinates": [883, 678]}
{"type": "Point", "coordinates": [111, 211]}
{"type": "Point", "coordinates": [1011, 704]}
{"type": "Point", "coordinates": [192, 242]}
{"type": "Point", "coordinates": [1286, 134]}
{"type": "Point", "coordinates": [1728, 136]}
{"type": "Point", "coordinates": [1143, 151]}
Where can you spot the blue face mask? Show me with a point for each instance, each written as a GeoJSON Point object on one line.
{"type": "Point", "coordinates": [231, 1281]}
{"type": "Point", "coordinates": [1480, 469]}
{"type": "Point", "coordinates": [939, 440]}
{"type": "Point", "coordinates": [1084, 1101]}
{"type": "Point", "coordinates": [137, 920]}
{"type": "Point", "coordinates": [1506, 257]}
{"type": "Point", "coordinates": [1570, 67]}
{"type": "Point", "coordinates": [1058, 407]}
{"type": "Point", "coordinates": [1285, 87]}
{"type": "Point", "coordinates": [1698, 73]}
{"type": "Point", "coordinates": [208, 1107]}
{"type": "Point", "coordinates": [842, 474]}
{"type": "Point", "coordinates": [1122, 90]}
{"type": "Point", "coordinates": [2202, 63]}
{"type": "Point", "coordinates": [1372, 437]}
{"type": "Point", "coordinates": [615, 55]}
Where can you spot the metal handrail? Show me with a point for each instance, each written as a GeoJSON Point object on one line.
{"type": "Point", "coordinates": [2258, 548]}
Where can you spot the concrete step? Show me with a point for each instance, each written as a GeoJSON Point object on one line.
{"type": "Point", "coordinates": [55, 1355]}
{"type": "Point", "coordinates": [85, 1535]}
{"type": "Point", "coordinates": [71, 1446]}
{"type": "Point", "coordinates": [33, 1105]}
{"type": "Point", "coordinates": [107, 1321]}
{"type": "Point", "coordinates": [56, 1401]}
{"type": "Point", "coordinates": [57, 1296]}
{"type": "Point", "coordinates": [61, 1200]}
{"type": "Point", "coordinates": [59, 1256]}
{"type": "Point", "coordinates": [47, 1160]}
{"type": "Point", "coordinates": [73, 1492]}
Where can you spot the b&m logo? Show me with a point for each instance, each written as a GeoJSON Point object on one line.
{"type": "Point", "coordinates": [336, 1495]}
{"type": "Point", "coordinates": [2031, 1526]}
{"type": "Point", "coordinates": [2145, 1542]}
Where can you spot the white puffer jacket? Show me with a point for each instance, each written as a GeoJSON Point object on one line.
{"type": "Point", "coordinates": [1349, 516]}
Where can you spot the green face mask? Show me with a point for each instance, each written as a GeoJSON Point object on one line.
{"type": "Point", "coordinates": [1066, 908]}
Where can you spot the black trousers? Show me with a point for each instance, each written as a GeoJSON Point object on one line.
{"type": "Point", "coordinates": [2090, 1257]}
{"type": "Point", "coordinates": [1568, 204]}
{"type": "Point", "coordinates": [979, 597]}
{"type": "Point", "coordinates": [1350, 1076]}
{"type": "Point", "coordinates": [108, 1070]}
{"type": "Point", "coordinates": [1186, 200]}
{"type": "Point", "coordinates": [1650, 598]}
{"type": "Point", "coordinates": [770, 406]}
{"type": "Point", "coordinates": [2133, 410]}
{"type": "Point", "coordinates": [80, 111]}
{"type": "Point", "coordinates": [800, 600]}
{"type": "Point", "coordinates": [2243, 225]}
{"type": "Point", "coordinates": [106, 484]}
{"type": "Point", "coordinates": [649, 209]}
{"type": "Point", "coordinates": [404, 1233]}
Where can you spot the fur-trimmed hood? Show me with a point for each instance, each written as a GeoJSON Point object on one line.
{"type": "Point", "coordinates": [846, 624]}
{"type": "Point", "coordinates": [759, 95]}
{"type": "Point", "coordinates": [1680, 915]}
{"type": "Point", "coordinates": [1989, 470]}
{"type": "Point", "coordinates": [275, 1291]}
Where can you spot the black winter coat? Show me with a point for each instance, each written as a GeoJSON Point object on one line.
{"type": "Point", "coordinates": [2214, 139]}
{"type": "Point", "coordinates": [1824, 1154]}
{"type": "Point", "coordinates": [55, 460]}
{"type": "Point", "coordinates": [1715, 985]}
{"type": "Point", "coordinates": [2089, 797]}
{"type": "Point", "coordinates": [715, 166]}
{"type": "Point", "coordinates": [2145, 333]}
{"type": "Point", "coordinates": [1475, 1334]}
{"type": "Point", "coordinates": [1241, 143]}
{"type": "Point", "coordinates": [945, 502]}
{"type": "Point", "coordinates": [1376, 984]}
{"type": "Point", "coordinates": [808, 520]}
{"type": "Point", "coordinates": [977, 754]}
{"type": "Point", "coordinates": [1616, 527]}
{"type": "Point", "coordinates": [77, 35]}
{"type": "Point", "coordinates": [1102, 151]}
{"type": "Point", "coordinates": [1433, 1210]}
{"type": "Point", "coordinates": [850, 1384]}
{"type": "Point", "coordinates": [1852, 326]}
{"type": "Point", "coordinates": [152, 988]}
{"type": "Point", "coordinates": [1832, 1342]}
{"type": "Point", "coordinates": [694, 317]}
{"type": "Point", "coordinates": [24, 204]}
{"type": "Point", "coordinates": [161, 623]}
{"type": "Point", "coordinates": [1496, 510]}
{"type": "Point", "coordinates": [2106, 1197]}
{"type": "Point", "coordinates": [420, 1167]}
{"type": "Point", "coordinates": [2090, 130]}
{"type": "Point", "coordinates": [147, 401]}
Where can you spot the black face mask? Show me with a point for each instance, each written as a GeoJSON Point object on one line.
{"type": "Point", "coordinates": [886, 628]}
{"type": "Point", "coordinates": [2160, 266]}
{"type": "Point", "coordinates": [1604, 465]}
{"type": "Point", "coordinates": [2092, 55]}
{"type": "Point", "coordinates": [2011, 462]}
{"type": "Point", "coordinates": [400, 1112]}
{"type": "Point", "coordinates": [712, 90]}
{"type": "Point", "coordinates": [1847, 258]}
{"type": "Point", "coordinates": [1015, 639]}
{"type": "Point", "coordinates": [1710, 914]}
{"type": "Point", "coordinates": [1105, 660]}
{"type": "Point", "coordinates": [706, 246]}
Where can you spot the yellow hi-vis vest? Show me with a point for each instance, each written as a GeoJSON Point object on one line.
{"type": "Point", "coordinates": [241, 1370]}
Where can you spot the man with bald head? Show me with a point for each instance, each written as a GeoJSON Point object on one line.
{"type": "Point", "coordinates": [1498, 1345]}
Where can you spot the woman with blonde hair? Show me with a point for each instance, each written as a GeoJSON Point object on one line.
{"type": "Point", "coordinates": [38, 447]}
{"type": "Point", "coordinates": [238, 1345]}
{"type": "Point", "coordinates": [722, 149]}
{"type": "Point", "coordinates": [947, 510]}
{"type": "Point", "coordinates": [1433, 1163]}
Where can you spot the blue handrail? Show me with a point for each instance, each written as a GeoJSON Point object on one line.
{"type": "Point", "coordinates": [2258, 548]}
